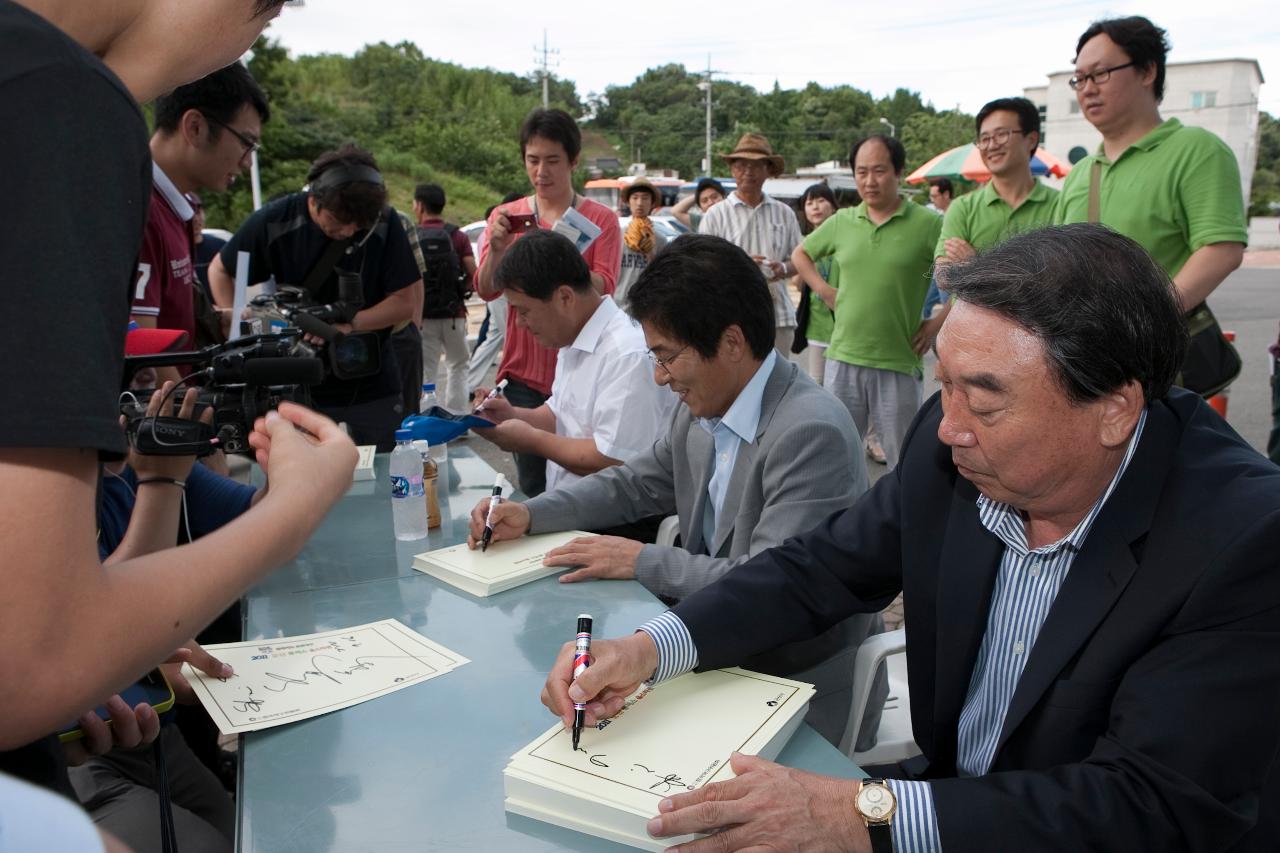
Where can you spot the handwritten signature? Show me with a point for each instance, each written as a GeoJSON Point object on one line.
{"type": "Point", "coordinates": [666, 780]}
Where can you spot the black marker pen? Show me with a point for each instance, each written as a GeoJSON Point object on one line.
{"type": "Point", "coordinates": [581, 660]}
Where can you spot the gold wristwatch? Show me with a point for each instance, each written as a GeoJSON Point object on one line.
{"type": "Point", "coordinates": [876, 805]}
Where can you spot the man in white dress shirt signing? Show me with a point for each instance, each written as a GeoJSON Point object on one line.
{"type": "Point", "coordinates": [604, 407]}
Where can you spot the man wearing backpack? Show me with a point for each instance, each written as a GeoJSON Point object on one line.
{"type": "Point", "coordinates": [448, 269]}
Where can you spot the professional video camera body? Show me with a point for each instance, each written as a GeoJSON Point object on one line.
{"type": "Point", "coordinates": [240, 380]}
{"type": "Point", "coordinates": [350, 355]}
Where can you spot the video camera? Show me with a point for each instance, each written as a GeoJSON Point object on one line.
{"type": "Point", "coordinates": [240, 380]}
{"type": "Point", "coordinates": [350, 355]}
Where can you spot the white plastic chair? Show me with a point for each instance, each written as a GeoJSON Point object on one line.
{"type": "Point", "coordinates": [894, 742]}
{"type": "Point", "coordinates": [668, 530]}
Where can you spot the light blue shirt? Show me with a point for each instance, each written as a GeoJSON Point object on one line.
{"type": "Point", "coordinates": [729, 431]}
{"type": "Point", "coordinates": [34, 818]}
{"type": "Point", "coordinates": [1027, 584]}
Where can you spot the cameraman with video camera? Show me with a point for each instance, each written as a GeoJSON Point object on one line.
{"type": "Point", "coordinates": [339, 227]}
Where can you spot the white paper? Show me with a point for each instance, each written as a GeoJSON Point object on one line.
{"type": "Point", "coordinates": [672, 738]}
{"type": "Point", "coordinates": [241, 298]}
{"type": "Point", "coordinates": [364, 466]}
{"type": "Point", "coordinates": [503, 566]}
{"type": "Point", "coordinates": [578, 228]}
{"type": "Point", "coordinates": [287, 679]}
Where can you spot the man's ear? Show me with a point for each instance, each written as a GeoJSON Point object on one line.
{"type": "Point", "coordinates": [1118, 414]}
{"type": "Point", "coordinates": [194, 128]}
{"type": "Point", "coordinates": [733, 344]}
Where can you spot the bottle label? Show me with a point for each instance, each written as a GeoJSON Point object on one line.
{"type": "Point", "coordinates": [399, 487]}
{"type": "Point", "coordinates": [416, 489]}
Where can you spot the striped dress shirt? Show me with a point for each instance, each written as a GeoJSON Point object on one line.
{"type": "Point", "coordinates": [1026, 585]}
{"type": "Point", "coordinates": [769, 229]}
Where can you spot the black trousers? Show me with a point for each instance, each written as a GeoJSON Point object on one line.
{"type": "Point", "coordinates": [531, 470]}
{"type": "Point", "coordinates": [374, 422]}
{"type": "Point", "coordinates": [407, 345]}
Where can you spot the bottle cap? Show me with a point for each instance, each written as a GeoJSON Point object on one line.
{"type": "Point", "coordinates": [404, 434]}
{"type": "Point", "coordinates": [428, 386]}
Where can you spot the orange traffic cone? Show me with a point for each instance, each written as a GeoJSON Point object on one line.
{"type": "Point", "coordinates": [1219, 400]}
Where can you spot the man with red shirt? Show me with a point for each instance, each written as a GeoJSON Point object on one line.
{"type": "Point", "coordinates": [205, 132]}
{"type": "Point", "coordinates": [550, 143]}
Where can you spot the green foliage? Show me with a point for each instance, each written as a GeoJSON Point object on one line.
{"type": "Point", "coordinates": [429, 120]}
{"type": "Point", "coordinates": [424, 120]}
{"type": "Point", "coordinates": [1266, 176]}
{"type": "Point", "coordinates": [662, 116]}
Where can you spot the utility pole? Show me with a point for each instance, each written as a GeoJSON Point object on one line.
{"type": "Point", "coordinates": [544, 64]}
{"type": "Point", "coordinates": [705, 86]}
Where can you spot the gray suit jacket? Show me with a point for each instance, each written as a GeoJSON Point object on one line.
{"type": "Point", "coordinates": [805, 464]}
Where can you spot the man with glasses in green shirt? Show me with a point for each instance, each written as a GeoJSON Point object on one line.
{"type": "Point", "coordinates": [1173, 189]}
{"type": "Point", "coordinates": [1012, 202]}
{"type": "Point", "coordinates": [884, 249]}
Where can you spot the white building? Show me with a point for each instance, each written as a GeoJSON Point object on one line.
{"type": "Point", "coordinates": [1220, 95]}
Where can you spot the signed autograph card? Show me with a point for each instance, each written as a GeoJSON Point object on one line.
{"type": "Point", "coordinates": [287, 679]}
{"type": "Point", "coordinates": [671, 738]}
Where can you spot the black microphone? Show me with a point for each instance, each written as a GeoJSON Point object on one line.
{"type": "Point", "coordinates": [313, 325]}
{"type": "Point", "coordinates": [283, 371]}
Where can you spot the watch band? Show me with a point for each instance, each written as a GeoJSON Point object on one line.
{"type": "Point", "coordinates": [881, 837]}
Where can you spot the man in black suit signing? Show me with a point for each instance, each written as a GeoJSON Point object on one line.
{"type": "Point", "coordinates": [1088, 563]}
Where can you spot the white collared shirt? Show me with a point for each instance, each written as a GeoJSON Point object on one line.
{"type": "Point", "coordinates": [604, 390]}
{"type": "Point", "coordinates": [171, 193]}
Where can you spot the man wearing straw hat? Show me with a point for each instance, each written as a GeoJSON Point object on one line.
{"type": "Point", "coordinates": [763, 227]}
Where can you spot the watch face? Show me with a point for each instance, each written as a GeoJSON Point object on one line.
{"type": "Point", "coordinates": [875, 801]}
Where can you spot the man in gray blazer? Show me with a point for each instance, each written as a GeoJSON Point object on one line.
{"type": "Point", "coordinates": [758, 453]}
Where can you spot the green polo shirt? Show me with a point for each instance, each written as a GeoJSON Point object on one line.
{"type": "Point", "coordinates": [1174, 191]}
{"type": "Point", "coordinates": [821, 318]}
{"type": "Point", "coordinates": [884, 276]}
{"type": "Point", "coordinates": [984, 219]}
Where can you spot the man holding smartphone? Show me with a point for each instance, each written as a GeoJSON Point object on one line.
{"type": "Point", "coordinates": [550, 143]}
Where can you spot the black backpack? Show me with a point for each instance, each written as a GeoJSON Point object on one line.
{"type": "Point", "coordinates": [443, 288]}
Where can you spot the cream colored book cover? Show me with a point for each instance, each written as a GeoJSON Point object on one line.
{"type": "Point", "coordinates": [502, 566]}
{"type": "Point", "coordinates": [668, 739]}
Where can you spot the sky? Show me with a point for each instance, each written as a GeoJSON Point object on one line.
{"type": "Point", "coordinates": [960, 53]}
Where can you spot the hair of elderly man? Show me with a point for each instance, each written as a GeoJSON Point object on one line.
{"type": "Point", "coordinates": [699, 286]}
{"type": "Point", "coordinates": [1105, 312]}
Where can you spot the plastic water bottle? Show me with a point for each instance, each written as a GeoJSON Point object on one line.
{"type": "Point", "coordinates": [408, 499]}
{"type": "Point", "coordinates": [440, 451]}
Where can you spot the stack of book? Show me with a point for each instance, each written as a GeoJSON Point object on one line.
{"type": "Point", "coordinates": [674, 737]}
{"type": "Point", "coordinates": [502, 566]}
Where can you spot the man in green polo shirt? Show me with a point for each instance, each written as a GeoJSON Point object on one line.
{"type": "Point", "coordinates": [1173, 189]}
{"type": "Point", "coordinates": [1012, 202]}
{"type": "Point", "coordinates": [884, 250]}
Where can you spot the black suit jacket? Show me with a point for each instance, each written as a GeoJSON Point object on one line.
{"type": "Point", "coordinates": [1148, 714]}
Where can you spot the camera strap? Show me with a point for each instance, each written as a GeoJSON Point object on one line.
{"type": "Point", "coordinates": [324, 265]}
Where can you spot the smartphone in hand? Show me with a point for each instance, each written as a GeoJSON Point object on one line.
{"type": "Point", "coordinates": [153, 688]}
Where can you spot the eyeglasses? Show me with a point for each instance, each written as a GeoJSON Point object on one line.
{"type": "Point", "coordinates": [995, 137]}
{"type": "Point", "coordinates": [1100, 76]}
{"type": "Point", "coordinates": [664, 362]}
{"type": "Point", "coordinates": [247, 142]}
